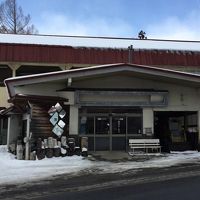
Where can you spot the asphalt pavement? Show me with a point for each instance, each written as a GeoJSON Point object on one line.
{"type": "Point", "coordinates": [182, 188]}
{"type": "Point", "coordinates": [178, 182]}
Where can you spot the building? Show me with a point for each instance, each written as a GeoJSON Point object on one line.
{"type": "Point", "coordinates": [109, 104]}
{"type": "Point", "coordinates": [32, 54]}
{"type": "Point", "coordinates": [149, 103]}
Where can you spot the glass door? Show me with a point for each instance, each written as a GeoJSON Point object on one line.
{"type": "Point", "coordinates": [109, 129]}
{"type": "Point", "coordinates": [118, 133]}
{"type": "Point", "coordinates": [102, 133]}
{"type": "Point", "coordinates": [110, 133]}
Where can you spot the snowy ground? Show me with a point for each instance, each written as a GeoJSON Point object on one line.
{"type": "Point", "coordinates": [19, 171]}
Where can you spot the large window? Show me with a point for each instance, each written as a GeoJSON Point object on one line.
{"type": "Point", "coordinates": [110, 123]}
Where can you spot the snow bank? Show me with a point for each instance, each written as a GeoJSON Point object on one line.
{"type": "Point", "coordinates": [20, 171]}
{"type": "Point", "coordinates": [14, 171]}
{"type": "Point", "coordinates": [158, 161]}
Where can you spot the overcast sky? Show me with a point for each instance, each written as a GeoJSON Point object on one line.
{"type": "Point", "coordinates": [166, 19]}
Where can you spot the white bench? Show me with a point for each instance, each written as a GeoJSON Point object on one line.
{"type": "Point", "coordinates": [143, 144]}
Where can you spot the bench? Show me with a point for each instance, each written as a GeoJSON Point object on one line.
{"type": "Point", "coordinates": [144, 144]}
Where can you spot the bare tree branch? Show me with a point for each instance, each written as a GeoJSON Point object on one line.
{"type": "Point", "coordinates": [13, 20]}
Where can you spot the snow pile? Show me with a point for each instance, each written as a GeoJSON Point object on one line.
{"type": "Point", "coordinates": [19, 171]}
{"type": "Point", "coordinates": [14, 171]}
{"type": "Point", "coordinates": [159, 161]}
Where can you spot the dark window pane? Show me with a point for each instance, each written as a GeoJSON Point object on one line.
{"type": "Point", "coordinates": [86, 125]}
{"type": "Point", "coordinates": [102, 125]}
{"type": "Point", "coordinates": [118, 125]}
{"type": "Point", "coordinates": [27, 70]}
{"type": "Point", "coordinates": [134, 125]}
{"type": "Point", "coordinates": [5, 123]}
{"type": "Point", "coordinates": [5, 72]}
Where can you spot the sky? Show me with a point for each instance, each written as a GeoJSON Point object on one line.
{"type": "Point", "coordinates": [161, 19]}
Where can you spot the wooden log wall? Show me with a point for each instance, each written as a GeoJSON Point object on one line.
{"type": "Point", "coordinates": [40, 124]}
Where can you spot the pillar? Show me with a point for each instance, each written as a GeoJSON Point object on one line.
{"type": "Point", "coordinates": [13, 72]}
{"type": "Point", "coordinates": [14, 67]}
{"type": "Point", "coordinates": [26, 117]}
{"type": "Point", "coordinates": [8, 131]}
{"type": "Point", "coordinates": [148, 119]}
{"type": "Point", "coordinates": [73, 120]}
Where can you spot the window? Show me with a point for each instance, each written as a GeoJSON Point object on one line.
{"type": "Point", "coordinates": [86, 125]}
{"type": "Point", "coordinates": [102, 125]}
{"type": "Point", "coordinates": [118, 125]}
{"type": "Point", "coordinates": [5, 72]}
{"type": "Point", "coordinates": [134, 125]}
{"type": "Point", "coordinates": [5, 123]}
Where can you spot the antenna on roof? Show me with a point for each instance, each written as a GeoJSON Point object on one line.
{"type": "Point", "coordinates": [141, 35]}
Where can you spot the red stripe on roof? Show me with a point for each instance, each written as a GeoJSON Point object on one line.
{"type": "Point", "coordinates": [66, 54]}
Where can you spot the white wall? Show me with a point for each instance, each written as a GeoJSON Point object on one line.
{"type": "Point", "coordinates": [181, 97]}
{"type": "Point", "coordinates": [3, 97]}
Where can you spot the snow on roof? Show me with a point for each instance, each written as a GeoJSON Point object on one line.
{"type": "Point", "coordinates": [100, 42]}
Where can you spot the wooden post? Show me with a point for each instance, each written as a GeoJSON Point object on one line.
{"type": "Point", "coordinates": [50, 142]}
{"type": "Point", "coordinates": [63, 141]}
{"type": "Point", "coordinates": [45, 143]}
{"type": "Point", "coordinates": [8, 132]}
{"type": "Point", "coordinates": [27, 145]}
{"type": "Point", "coordinates": [19, 150]}
{"type": "Point", "coordinates": [49, 150]}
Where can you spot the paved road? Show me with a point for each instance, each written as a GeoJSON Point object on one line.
{"type": "Point", "coordinates": [183, 188]}
{"type": "Point", "coordinates": [179, 182]}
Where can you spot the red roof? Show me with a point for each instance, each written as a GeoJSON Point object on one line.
{"type": "Point", "coordinates": [79, 55]}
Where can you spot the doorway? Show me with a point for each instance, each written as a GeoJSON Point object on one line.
{"type": "Point", "coordinates": [176, 130]}
{"type": "Point", "coordinates": [109, 129]}
{"type": "Point", "coordinates": [110, 132]}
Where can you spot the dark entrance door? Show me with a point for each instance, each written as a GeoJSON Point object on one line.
{"type": "Point", "coordinates": [110, 133]}
{"type": "Point", "coordinates": [102, 133]}
{"type": "Point", "coordinates": [176, 130]}
{"type": "Point", "coordinates": [118, 132]}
